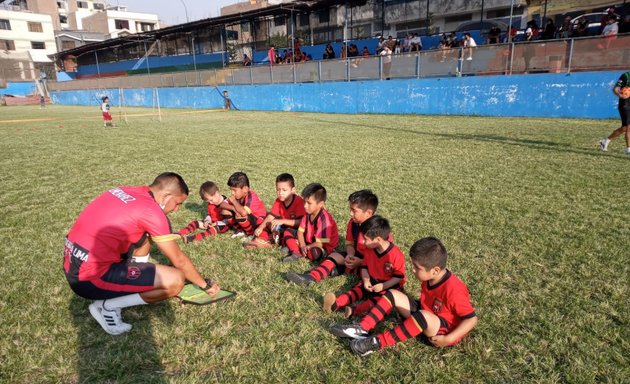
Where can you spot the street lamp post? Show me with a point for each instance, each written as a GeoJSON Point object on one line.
{"type": "Point", "coordinates": [185, 10]}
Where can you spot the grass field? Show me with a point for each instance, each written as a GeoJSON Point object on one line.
{"type": "Point", "coordinates": [535, 219]}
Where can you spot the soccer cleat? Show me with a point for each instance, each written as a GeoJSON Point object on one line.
{"type": "Point", "coordinates": [329, 302]}
{"type": "Point", "coordinates": [628, 151]}
{"type": "Point", "coordinates": [347, 312]}
{"type": "Point", "coordinates": [110, 321]}
{"type": "Point", "coordinates": [303, 279]}
{"type": "Point", "coordinates": [247, 239]}
{"type": "Point", "coordinates": [284, 251]}
{"type": "Point", "coordinates": [603, 145]}
{"type": "Point", "coordinates": [291, 258]}
{"type": "Point", "coordinates": [365, 346]}
{"type": "Point", "coordinates": [353, 331]}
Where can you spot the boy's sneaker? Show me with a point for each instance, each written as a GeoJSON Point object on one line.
{"type": "Point", "coordinates": [603, 145]}
{"type": "Point", "coordinates": [110, 321]}
{"type": "Point", "coordinates": [284, 251]}
{"type": "Point", "coordinates": [628, 151]}
{"type": "Point", "coordinates": [238, 234]}
{"type": "Point", "coordinates": [303, 279]}
{"type": "Point", "coordinates": [365, 346]}
{"type": "Point", "coordinates": [291, 258]}
{"type": "Point", "coordinates": [247, 239]}
{"type": "Point", "coordinates": [329, 302]}
{"type": "Point", "coordinates": [353, 331]}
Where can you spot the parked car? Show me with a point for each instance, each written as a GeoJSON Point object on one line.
{"type": "Point", "coordinates": [483, 27]}
{"type": "Point", "coordinates": [593, 19]}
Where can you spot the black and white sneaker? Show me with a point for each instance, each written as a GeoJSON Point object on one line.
{"type": "Point", "coordinates": [291, 258]}
{"type": "Point", "coordinates": [303, 279]}
{"type": "Point", "coordinates": [353, 331]}
{"type": "Point", "coordinates": [110, 321]}
{"type": "Point", "coordinates": [365, 346]}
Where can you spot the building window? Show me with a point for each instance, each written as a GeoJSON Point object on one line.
{"type": "Point", "coordinates": [7, 45]}
{"type": "Point", "coordinates": [145, 27]}
{"type": "Point", "coordinates": [35, 27]}
{"type": "Point", "coordinates": [324, 17]}
{"type": "Point", "coordinates": [458, 18]}
{"type": "Point", "coordinates": [245, 27]}
{"type": "Point", "coordinates": [38, 45]}
{"type": "Point", "coordinates": [121, 24]}
{"type": "Point", "coordinates": [278, 21]}
{"type": "Point", "coordinates": [304, 19]}
{"type": "Point", "coordinates": [67, 45]}
{"type": "Point", "coordinates": [99, 6]}
{"type": "Point", "coordinates": [5, 24]}
{"type": "Point", "coordinates": [63, 19]}
{"type": "Point", "coordinates": [82, 4]}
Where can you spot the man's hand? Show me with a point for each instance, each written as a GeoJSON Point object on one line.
{"type": "Point", "coordinates": [213, 290]}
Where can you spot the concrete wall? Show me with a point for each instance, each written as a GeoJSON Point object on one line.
{"type": "Point", "coordinates": [19, 88]}
{"type": "Point", "coordinates": [578, 95]}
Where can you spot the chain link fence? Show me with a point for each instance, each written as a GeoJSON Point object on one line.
{"type": "Point", "coordinates": [550, 56]}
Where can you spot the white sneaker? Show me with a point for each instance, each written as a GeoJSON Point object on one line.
{"type": "Point", "coordinates": [468, 58]}
{"type": "Point", "coordinates": [110, 321]}
{"type": "Point", "coordinates": [628, 151]}
{"type": "Point", "coordinates": [237, 235]}
{"type": "Point", "coordinates": [603, 145]}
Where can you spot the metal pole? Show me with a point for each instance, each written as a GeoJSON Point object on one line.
{"type": "Point", "coordinates": [427, 19]}
{"type": "Point", "coordinates": [481, 20]}
{"type": "Point", "coordinates": [512, 58]}
{"type": "Point", "coordinates": [98, 70]}
{"type": "Point", "coordinates": [293, 46]}
{"type": "Point", "coordinates": [570, 56]}
{"type": "Point", "coordinates": [192, 43]}
{"type": "Point", "coordinates": [185, 10]}
{"type": "Point", "coordinates": [509, 37]}
{"type": "Point", "coordinates": [544, 19]}
{"type": "Point", "coordinates": [418, 66]}
{"type": "Point", "coordinates": [222, 47]}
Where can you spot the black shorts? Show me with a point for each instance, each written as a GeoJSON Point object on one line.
{"type": "Point", "coordinates": [624, 112]}
{"type": "Point", "coordinates": [121, 279]}
{"type": "Point", "coordinates": [444, 326]}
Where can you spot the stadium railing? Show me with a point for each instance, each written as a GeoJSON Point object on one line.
{"type": "Point", "coordinates": [548, 56]}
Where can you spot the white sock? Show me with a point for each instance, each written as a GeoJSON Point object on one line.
{"type": "Point", "coordinates": [123, 302]}
{"type": "Point", "coordinates": [141, 259]}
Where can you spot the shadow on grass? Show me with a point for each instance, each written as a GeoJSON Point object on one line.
{"type": "Point", "coordinates": [131, 357]}
{"type": "Point", "coordinates": [514, 141]}
{"type": "Point", "coordinates": [201, 209]}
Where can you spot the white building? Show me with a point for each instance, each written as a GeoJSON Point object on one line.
{"type": "Point", "coordinates": [117, 21]}
{"type": "Point", "coordinates": [26, 40]}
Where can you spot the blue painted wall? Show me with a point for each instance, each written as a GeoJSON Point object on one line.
{"type": "Point", "coordinates": [154, 62]}
{"type": "Point", "coordinates": [578, 95]}
{"type": "Point", "coordinates": [19, 88]}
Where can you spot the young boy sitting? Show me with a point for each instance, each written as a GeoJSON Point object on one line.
{"type": "Point", "coordinates": [383, 269]}
{"type": "Point", "coordinates": [317, 235]}
{"type": "Point", "coordinates": [247, 210]}
{"type": "Point", "coordinates": [286, 212]}
{"type": "Point", "coordinates": [443, 314]}
{"type": "Point", "coordinates": [362, 206]}
{"type": "Point", "coordinates": [213, 223]}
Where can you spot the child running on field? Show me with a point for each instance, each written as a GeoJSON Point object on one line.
{"type": "Point", "coordinates": [443, 314]}
{"type": "Point", "coordinates": [213, 223]}
{"type": "Point", "coordinates": [287, 212]}
{"type": "Point", "coordinates": [383, 269]}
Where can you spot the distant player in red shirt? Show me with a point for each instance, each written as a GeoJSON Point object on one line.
{"type": "Point", "coordinates": [106, 248]}
{"type": "Point", "coordinates": [362, 205]}
{"type": "Point", "coordinates": [107, 117]}
{"type": "Point", "coordinates": [383, 269]}
{"type": "Point", "coordinates": [247, 209]}
{"type": "Point", "coordinates": [213, 223]}
{"type": "Point", "coordinates": [443, 314]}
{"type": "Point", "coordinates": [287, 212]}
{"type": "Point", "coordinates": [317, 235]}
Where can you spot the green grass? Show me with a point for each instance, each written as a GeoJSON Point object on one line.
{"type": "Point", "coordinates": [535, 219]}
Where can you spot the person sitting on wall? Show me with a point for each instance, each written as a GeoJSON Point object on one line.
{"type": "Point", "coordinates": [329, 52]}
{"type": "Point", "coordinates": [494, 35]}
{"type": "Point", "coordinates": [365, 52]}
{"type": "Point", "coordinates": [246, 60]}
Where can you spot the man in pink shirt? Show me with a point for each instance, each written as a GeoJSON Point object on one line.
{"type": "Point", "coordinates": [107, 249]}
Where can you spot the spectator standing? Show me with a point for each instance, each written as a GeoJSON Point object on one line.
{"type": "Point", "coordinates": [566, 29]}
{"type": "Point", "coordinates": [528, 49]}
{"type": "Point", "coordinates": [581, 27]}
{"type": "Point", "coordinates": [246, 60]}
{"type": "Point", "coordinates": [344, 51]}
{"type": "Point", "coordinates": [271, 55]}
{"type": "Point", "coordinates": [550, 30]}
{"type": "Point", "coordinates": [611, 29]}
{"type": "Point", "coordinates": [386, 55]}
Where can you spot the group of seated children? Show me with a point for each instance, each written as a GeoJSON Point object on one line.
{"type": "Point", "coordinates": [303, 228]}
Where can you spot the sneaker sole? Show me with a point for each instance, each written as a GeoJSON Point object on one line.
{"type": "Point", "coordinates": [357, 352]}
{"type": "Point", "coordinates": [297, 279]}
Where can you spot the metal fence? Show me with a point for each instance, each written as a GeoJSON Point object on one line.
{"type": "Point", "coordinates": [550, 56]}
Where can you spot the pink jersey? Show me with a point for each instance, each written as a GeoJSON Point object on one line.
{"type": "Point", "coordinates": [107, 228]}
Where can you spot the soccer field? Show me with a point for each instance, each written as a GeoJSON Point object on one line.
{"type": "Point", "coordinates": [535, 219]}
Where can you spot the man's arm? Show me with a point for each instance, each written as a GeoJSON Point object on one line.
{"type": "Point", "coordinates": [181, 261]}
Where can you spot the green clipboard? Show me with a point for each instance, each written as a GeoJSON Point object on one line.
{"type": "Point", "coordinates": [194, 295]}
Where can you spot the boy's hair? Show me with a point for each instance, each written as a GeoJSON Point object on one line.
{"type": "Point", "coordinates": [376, 226]}
{"type": "Point", "coordinates": [316, 191]}
{"type": "Point", "coordinates": [429, 252]}
{"type": "Point", "coordinates": [171, 181]}
{"type": "Point", "coordinates": [285, 178]}
{"type": "Point", "coordinates": [104, 98]}
{"type": "Point", "coordinates": [364, 199]}
{"type": "Point", "coordinates": [238, 180]}
{"type": "Point", "coordinates": [208, 187]}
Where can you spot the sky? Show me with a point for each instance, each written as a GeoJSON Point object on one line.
{"type": "Point", "coordinates": [173, 11]}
